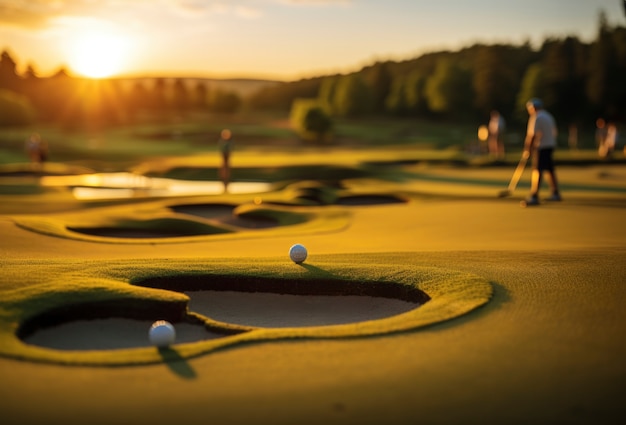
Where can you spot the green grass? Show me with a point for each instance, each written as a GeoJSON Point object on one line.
{"type": "Point", "coordinates": [118, 149]}
{"type": "Point", "coordinates": [524, 324]}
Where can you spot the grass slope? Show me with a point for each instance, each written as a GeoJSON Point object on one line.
{"type": "Point", "coordinates": [548, 348]}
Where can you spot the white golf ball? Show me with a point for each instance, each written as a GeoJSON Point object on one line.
{"type": "Point", "coordinates": [162, 333]}
{"type": "Point", "coordinates": [298, 253]}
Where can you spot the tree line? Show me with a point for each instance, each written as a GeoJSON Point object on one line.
{"type": "Point", "coordinates": [79, 102]}
{"type": "Point", "coordinates": [578, 81]}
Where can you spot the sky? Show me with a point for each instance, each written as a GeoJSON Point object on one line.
{"type": "Point", "coordinates": [272, 39]}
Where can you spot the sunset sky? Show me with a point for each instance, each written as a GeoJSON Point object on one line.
{"type": "Point", "coordinates": [275, 39]}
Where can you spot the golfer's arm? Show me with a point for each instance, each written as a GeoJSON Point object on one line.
{"type": "Point", "coordinates": [528, 143]}
{"type": "Point", "coordinates": [532, 140]}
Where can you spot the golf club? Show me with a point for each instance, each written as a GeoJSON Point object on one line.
{"type": "Point", "coordinates": [516, 176]}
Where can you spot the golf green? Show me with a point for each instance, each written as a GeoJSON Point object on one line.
{"type": "Point", "coordinates": [536, 334]}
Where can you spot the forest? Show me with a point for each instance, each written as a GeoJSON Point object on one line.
{"type": "Point", "coordinates": [578, 81]}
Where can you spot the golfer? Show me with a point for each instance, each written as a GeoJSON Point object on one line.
{"type": "Point", "coordinates": [540, 144]}
{"type": "Point", "coordinates": [37, 150]}
{"type": "Point", "coordinates": [496, 133]}
{"type": "Point", "coordinates": [225, 147]}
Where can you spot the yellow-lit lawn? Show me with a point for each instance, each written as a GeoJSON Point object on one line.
{"type": "Point", "coordinates": [525, 324]}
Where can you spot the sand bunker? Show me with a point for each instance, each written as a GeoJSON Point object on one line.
{"type": "Point", "coordinates": [218, 214]}
{"type": "Point", "coordinates": [109, 334]}
{"type": "Point", "coordinates": [355, 200]}
{"type": "Point", "coordinates": [285, 310]}
{"type": "Point", "coordinates": [134, 233]}
{"type": "Point", "coordinates": [252, 309]}
{"type": "Point", "coordinates": [205, 210]}
{"type": "Point", "coordinates": [225, 214]}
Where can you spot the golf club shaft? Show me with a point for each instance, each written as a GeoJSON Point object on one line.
{"type": "Point", "coordinates": [518, 173]}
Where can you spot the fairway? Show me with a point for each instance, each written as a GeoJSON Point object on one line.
{"type": "Point", "coordinates": [524, 321]}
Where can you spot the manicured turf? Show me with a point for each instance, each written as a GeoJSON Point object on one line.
{"type": "Point", "coordinates": [547, 348]}
{"type": "Point", "coordinates": [89, 289]}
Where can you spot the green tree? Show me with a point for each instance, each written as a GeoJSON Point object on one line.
{"type": "Point", "coordinates": [138, 99]}
{"type": "Point", "coordinates": [8, 76]}
{"type": "Point", "coordinates": [30, 74]}
{"type": "Point", "coordinates": [201, 95]}
{"type": "Point", "coordinates": [310, 120]}
{"type": "Point", "coordinates": [33, 88]}
{"type": "Point", "coordinates": [605, 84]}
{"type": "Point", "coordinates": [281, 96]}
{"type": "Point", "coordinates": [396, 102]}
{"type": "Point", "coordinates": [415, 93]}
{"type": "Point", "coordinates": [60, 98]}
{"type": "Point", "coordinates": [15, 109]}
{"type": "Point", "coordinates": [327, 93]}
{"type": "Point", "coordinates": [495, 80]}
{"type": "Point", "coordinates": [225, 102]}
{"type": "Point", "coordinates": [318, 122]}
{"type": "Point", "coordinates": [379, 79]}
{"type": "Point", "coordinates": [158, 95]}
{"type": "Point", "coordinates": [449, 90]}
{"type": "Point", "coordinates": [180, 96]}
{"type": "Point", "coordinates": [619, 40]}
{"type": "Point", "coordinates": [533, 85]}
{"type": "Point", "coordinates": [565, 62]}
{"type": "Point", "coordinates": [353, 96]}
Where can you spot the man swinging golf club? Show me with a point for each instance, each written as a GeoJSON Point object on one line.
{"type": "Point", "coordinates": [539, 144]}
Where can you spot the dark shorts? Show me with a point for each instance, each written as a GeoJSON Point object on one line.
{"type": "Point", "coordinates": [542, 160]}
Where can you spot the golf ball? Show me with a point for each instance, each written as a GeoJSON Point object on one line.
{"type": "Point", "coordinates": [298, 253]}
{"type": "Point", "coordinates": [162, 333]}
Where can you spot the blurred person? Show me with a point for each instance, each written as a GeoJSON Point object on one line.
{"type": "Point", "coordinates": [572, 137]}
{"type": "Point", "coordinates": [36, 149]}
{"type": "Point", "coordinates": [601, 132]}
{"type": "Point", "coordinates": [496, 133]}
{"type": "Point", "coordinates": [539, 144]}
{"type": "Point", "coordinates": [610, 140]}
{"type": "Point", "coordinates": [225, 147]}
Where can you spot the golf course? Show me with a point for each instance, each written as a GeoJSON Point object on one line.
{"type": "Point", "coordinates": [424, 297]}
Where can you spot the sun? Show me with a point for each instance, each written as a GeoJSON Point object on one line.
{"type": "Point", "coordinates": [98, 54]}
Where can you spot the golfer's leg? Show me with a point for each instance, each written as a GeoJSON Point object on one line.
{"type": "Point", "coordinates": [535, 182]}
{"type": "Point", "coordinates": [554, 185]}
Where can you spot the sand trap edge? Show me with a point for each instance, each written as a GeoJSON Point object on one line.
{"type": "Point", "coordinates": [452, 293]}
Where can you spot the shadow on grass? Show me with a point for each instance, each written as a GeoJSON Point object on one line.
{"type": "Point", "coordinates": [316, 270]}
{"type": "Point", "coordinates": [498, 300]}
{"type": "Point", "coordinates": [176, 363]}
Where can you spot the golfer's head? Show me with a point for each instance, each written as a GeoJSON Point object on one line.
{"type": "Point", "coordinates": [533, 105]}
{"type": "Point", "coordinates": [226, 134]}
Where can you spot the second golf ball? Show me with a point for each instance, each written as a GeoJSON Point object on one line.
{"type": "Point", "coordinates": [162, 334]}
{"type": "Point", "coordinates": [298, 253]}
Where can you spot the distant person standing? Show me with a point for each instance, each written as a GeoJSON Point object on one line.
{"type": "Point", "coordinates": [601, 132]}
{"type": "Point", "coordinates": [572, 137]}
{"type": "Point", "coordinates": [539, 144]}
{"type": "Point", "coordinates": [36, 149]}
{"type": "Point", "coordinates": [496, 133]}
{"type": "Point", "coordinates": [225, 147]}
{"type": "Point", "coordinates": [610, 140]}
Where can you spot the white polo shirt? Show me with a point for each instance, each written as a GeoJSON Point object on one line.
{"type": "Point", "coordinates": [543, 122]}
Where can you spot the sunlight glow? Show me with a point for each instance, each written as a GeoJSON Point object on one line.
{"type": "Point", "coordinates": [98, 55]}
